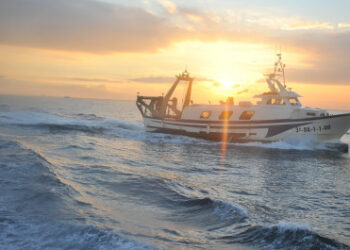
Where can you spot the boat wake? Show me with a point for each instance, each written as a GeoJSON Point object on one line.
{"type": "Point", "coordinates": [39, 210]}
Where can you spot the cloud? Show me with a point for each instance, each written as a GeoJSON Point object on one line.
{"type": "Point", "coordinates": [101, 27]}
{"type": "Point", "coordinates": [217, 84]}
{"type": "Point", "coordinates": [301, 25]}
{"type": "Point", "coordinates": [169, 6]}
{"type": "Point", "coordinates": [82, 79]}
{"type": "Point", "coordinates": [18, 87]}
{"type": "Point", "coordinates": [82, 25]}
{"type": "Point", "coordinates": [242, 91]}
{"type": "Point", "coordinates": [236, 85]}
{"type": "Point", "coordinates": [344, 25]}
{"type": "Point", "coordinates": [153, 79]}
{"type": "Point", "coordinates": [328, 58]}
{"type": "Point", "coordinates": [163, 79]}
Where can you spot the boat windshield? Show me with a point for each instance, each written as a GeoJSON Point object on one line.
{"type": "Point", "coordinates": [293, 101]}
{"type": "Point", "coordinates": [276, 101]}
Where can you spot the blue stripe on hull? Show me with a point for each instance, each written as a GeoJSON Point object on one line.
{"type": "Point", "coordinates": [278, 129]}
{"type": "Point", "coordinates": [272, 131]}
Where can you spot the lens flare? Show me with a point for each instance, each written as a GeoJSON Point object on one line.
{"type": "Point", "coordinates": [225, 136]}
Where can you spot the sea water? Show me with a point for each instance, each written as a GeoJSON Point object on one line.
{"type": "Point", "coordinates": [84, 174]}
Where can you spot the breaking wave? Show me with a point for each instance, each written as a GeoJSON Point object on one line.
{"type": "Point", "coordinates": [59, 235]}
{"type": "Point", "coordinates": [223, 210]}
{"type": "Point", "coordinates": [285, 235]}
{"type": "Point", "coordinates": [186, 205]}
{"type": "Point", "coordinates": [209, 213]}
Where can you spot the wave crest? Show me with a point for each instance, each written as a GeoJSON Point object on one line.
{"type": "Point", "coordinates": [284, 235]}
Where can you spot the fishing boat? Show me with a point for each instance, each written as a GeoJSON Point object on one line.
{"type": "Point", "coordinates": [277, 115]}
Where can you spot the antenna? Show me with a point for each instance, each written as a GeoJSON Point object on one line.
{"type": "Point", "coordinates": [279, 67]}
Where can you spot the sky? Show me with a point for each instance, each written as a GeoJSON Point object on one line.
{"type": "Point", "coordinates": [114, 49]}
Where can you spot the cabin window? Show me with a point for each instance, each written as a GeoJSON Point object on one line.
{"type": "Point", "coordinates": [276, 101]}
{"type": "Point", "coordinates": [311, 113]}
{"type": "Point", "coordinates": [225, 115]}
{"type": "Point", "coordinates": [205, 114]}
{"type": "Point", "coordinates": [293, 101]}
{"type": "Point", "coordinates": [246, 115]}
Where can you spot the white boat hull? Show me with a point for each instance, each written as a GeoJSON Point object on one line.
{"type": "Point", "coordinates": [321, 128]}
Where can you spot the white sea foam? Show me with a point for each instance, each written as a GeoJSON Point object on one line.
{"type": "Point", "coordinates": [299, 143]}
{"type": "Point", "coordinates": [113, 124]}
{"type": "Point", "coordinates": [283, 226]}
{"type": "Point", "coordinates": [63, 236]}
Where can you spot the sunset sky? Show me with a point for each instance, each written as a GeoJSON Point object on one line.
{"type": "Point", "coordinates": [113, 49]}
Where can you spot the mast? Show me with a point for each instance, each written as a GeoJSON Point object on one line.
{"type": "Point", "coordinates": [189, 89]}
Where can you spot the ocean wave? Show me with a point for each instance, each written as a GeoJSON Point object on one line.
{"type": "Point", "coordinates": [33, 118]}
{"type": "Point", "coordinates": [59, 128]}
{"type": "Point", "coordinates": [89, 117]}
{"type": "Point", "coordinates": [59, 235]}
{"type": "Point", "coordinates": [284, 235]}
{"type": "Point", "coordinates": [91, 123]}
{"type": "Point", "coordinates": [4, 107]}
{"type": "Point", "coordinates": [208, 213]}
{"type": "Point", "coordinates": [112, 124]}
{"type": "Point", "coordinates": [32, 186]}
{"type": "Point", "coordinates": [223, 210]}
{"type": "Point", "coordinates": [182, 202]}
{"type": "Point", "coordinates": [77, 147]}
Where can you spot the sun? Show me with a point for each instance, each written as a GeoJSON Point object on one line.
{"type": "Point", "coordinates": [227, 84]}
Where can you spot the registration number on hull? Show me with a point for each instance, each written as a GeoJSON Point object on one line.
{"type": "Point", "coordinates": [308, 129]}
